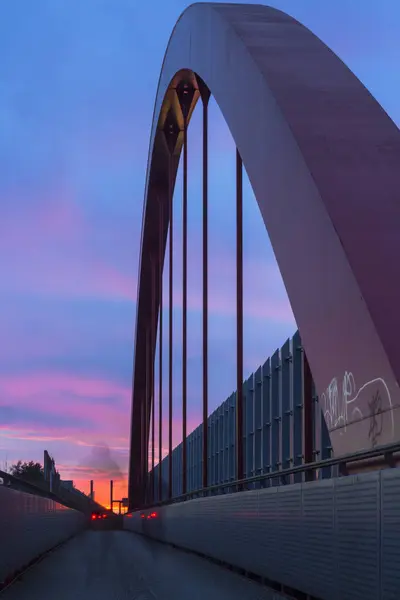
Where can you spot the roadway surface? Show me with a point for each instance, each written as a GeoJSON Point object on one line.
{"type": "Point", "coordinates": [119, 565]}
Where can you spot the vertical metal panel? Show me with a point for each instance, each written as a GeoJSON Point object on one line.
{"type": "Point", "coordinates": [244, 427]}
{"type": "Point", "coordinates": [266, 418]}
{"type": "Point", "coordinates": [326, 447]}
{"type": "Point", "coordinates": [316, 429]}
{"type": "Point", "coordinates": [250, 426]}
{"type": "Point", "coordinates": [232, 432]}
{"type": "Point", "coordinates": [298, 404]}
{"type": "Point", "coordinates": [178, 471]}
{"type": "Point", "coordinates": [226, 440]}
{"type": "Point", "coordinates": [173, 457]}
{"type": "Point", "coordinates": [287, 406]}
{"type": "Point", "coordinates": [317, 425]}
{"type": "Point", "coordinates": [258, 421]}
{"type": "Point", "coordinates": [187, 442]}
{"type": "Point", "coordinates": [209, 450]}
{"type": "Point", "coordinates": [308, 414]}
{"type": "Point", "coordinates": [194, 459]}
{"type": "Point", "coordinates": [276, 409]}
{"type": "Point", "coordinates": [220, 443]}
{"type": "Point", "coordinates": [155, 474]}
{"type": "Point", "coordinates": [215, 447]}
{"type": "Point", "coordinates": [211, 445]}
{"type": "Point", "coordinates": [188, 446]}
{"type": "Point", "coordinates": [190, 459]}
{"type": "Point", "coordinates": [179, 460]}
{"type": "Point", "coordinates": [200, 458]}
{"type": "Point", "coordinates": [165, 478]}
{"type": "Point", "coordinates": [217, 457]}
{"type": "Point", "coordinates": [223, 428]}
{"type": "Point", "coordinates": [173, 473]}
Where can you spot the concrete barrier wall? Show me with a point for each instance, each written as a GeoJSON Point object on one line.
{"type": "Point", "coordinates": [31, 525]}
{"type": "Point", "coordinates": [337, 538]}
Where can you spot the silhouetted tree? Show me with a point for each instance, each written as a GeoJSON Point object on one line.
{"type": "Point", "coordinates": [29, 471]}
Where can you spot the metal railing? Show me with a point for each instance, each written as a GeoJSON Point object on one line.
{"type": "Point", "coordinates": [387, 452]}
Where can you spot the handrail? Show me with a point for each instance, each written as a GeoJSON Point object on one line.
{"type": "Point", "coordinates": [66, 498]}
{"type": "Point", "coordinates": [23, 483]}
{"type": "Point", "coordinates": [386, 450]}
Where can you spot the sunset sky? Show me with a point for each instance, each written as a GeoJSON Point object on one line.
{"type": "Point", "coordinates": [77, 86]}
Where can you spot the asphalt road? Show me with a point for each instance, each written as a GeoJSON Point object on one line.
{"type": "Point", "coordinates": [119, 565]}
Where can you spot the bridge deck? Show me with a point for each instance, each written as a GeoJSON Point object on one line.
{"type": "Point", "coordinates": [119, 565]}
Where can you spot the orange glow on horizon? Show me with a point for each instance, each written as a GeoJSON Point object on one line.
{"type": "Point", "coordinates": [102, 491]}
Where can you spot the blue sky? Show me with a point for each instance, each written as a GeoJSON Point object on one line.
{"type": "Point", "coordinates": [77, 88]}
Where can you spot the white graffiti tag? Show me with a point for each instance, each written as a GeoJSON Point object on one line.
{"type": "Point", "coordinates": [342, 404]}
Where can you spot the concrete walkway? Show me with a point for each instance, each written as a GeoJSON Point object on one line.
{"type": "Point", "coordinates": [119, 565]}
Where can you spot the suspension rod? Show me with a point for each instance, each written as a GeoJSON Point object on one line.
{"type": "Point", "coordinates": [205, 289]}
{"type": "Point", "coordinates": [152, 360]}
{"type": "Point", "coordinates": [239, 316]}
{"type": "Point", "coordinates": [146, 421]}
{"type": "Point", "coordinates": [143, 450]}
{"type": "Point", "coordinates": [160, 350]}
{"type": "Point", "coordinates": [184, 306]}
{"type": "Point", "coordinates": [171, 299]}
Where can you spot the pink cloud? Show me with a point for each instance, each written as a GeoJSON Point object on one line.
{"type": "Point", "coordinates": [25, 386]}
{"type": "Point", "coordinates": [61, 407]}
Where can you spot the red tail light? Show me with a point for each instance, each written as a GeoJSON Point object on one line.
{"type": "Point", "coordinates": [153, 515]}
{"type": "Point", "coordinates": [142, 516]}
{"type": "Point", "coordinates": [94, 517]}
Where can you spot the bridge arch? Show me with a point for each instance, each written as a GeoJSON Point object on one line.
{"type": "Point", "coordinates": [323, 160]}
